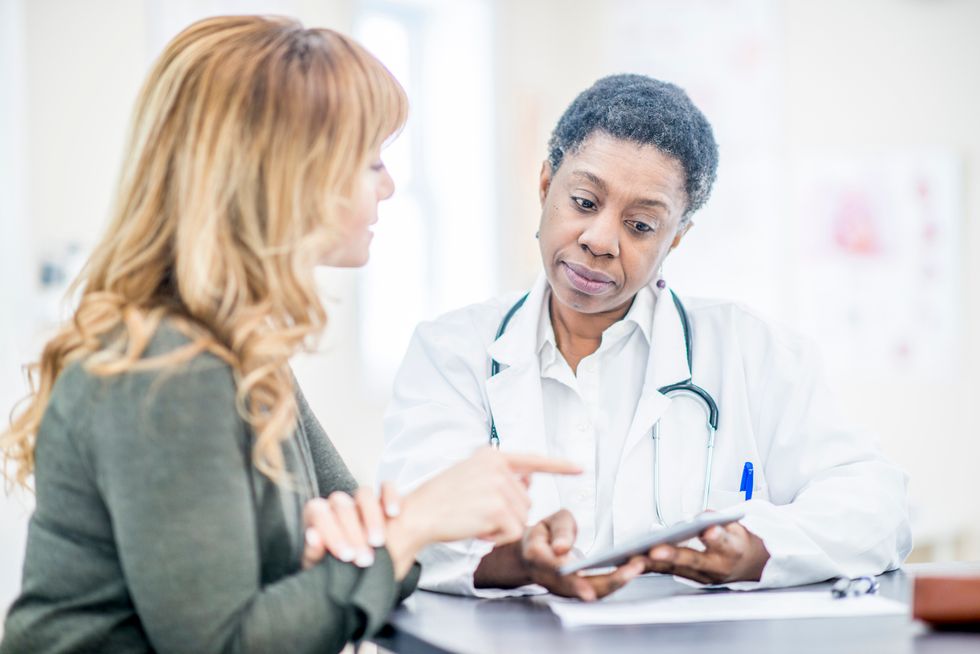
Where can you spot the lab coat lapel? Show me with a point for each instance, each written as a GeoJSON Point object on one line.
{"type": "Point", "coordinates": [667, 364]}
{"type": "Point", "coordinates": [515, 397]}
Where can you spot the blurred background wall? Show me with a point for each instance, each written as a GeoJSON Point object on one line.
{"type": "Point", "coordinates": [847, 201]}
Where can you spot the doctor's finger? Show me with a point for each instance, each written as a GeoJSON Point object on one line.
{"type": "Point", "coordinates": [713, 566]}
{"type": "Point", "coordinates": [525, 464]}
{"type": "Point", "coordinates": [537, 549]}
{"type": "Point", "coordinates": [608, 584]}
{"type": "Point", "coordinates": [562, 531]}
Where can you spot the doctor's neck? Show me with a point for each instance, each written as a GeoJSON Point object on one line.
{"type": "Point", "coordinates": [579, 334]}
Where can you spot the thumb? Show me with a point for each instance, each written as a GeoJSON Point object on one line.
{"type": "Point", "coordinates": [563, 531]}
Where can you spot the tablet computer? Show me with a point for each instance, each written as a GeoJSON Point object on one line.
{"type": "Point", "coordinates": [682, 531]}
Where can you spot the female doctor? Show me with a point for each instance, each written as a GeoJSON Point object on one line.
{"type": "Point", "coordinates": [603, 364]}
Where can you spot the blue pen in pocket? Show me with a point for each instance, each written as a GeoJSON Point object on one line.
{"type": "Point", "coordinates": [747, 481]}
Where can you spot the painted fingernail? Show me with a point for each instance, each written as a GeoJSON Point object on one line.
{"type": "Point", "coordinates": [560, 542]}
{"type": "Point", "coordinates": [346, 553]}
{"type": "Point", "coordinates": [364, 559]}
{"type": "Point", "coordinates": [313, 538]}
{"type": "Point", "coordinates": [392, 509]}
{"type": "Point", "coordinates": [376, 538]}
{"type": "Point", "coordinates": [589, 595]}
{"type": "Point", "coordinates": [660, 555]}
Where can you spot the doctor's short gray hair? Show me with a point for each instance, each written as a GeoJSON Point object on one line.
{"type": "Point", "coordinates": [645, 111]}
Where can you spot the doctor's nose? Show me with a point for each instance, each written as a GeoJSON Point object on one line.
{"type": "Point", "coordinates": [601, 237]}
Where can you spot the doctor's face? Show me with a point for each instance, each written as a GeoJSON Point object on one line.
{"type": "Point", "coordinates": [610, 215]}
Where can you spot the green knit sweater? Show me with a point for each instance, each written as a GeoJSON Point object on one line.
{"type": "Point", "coordinates": [154, 531]}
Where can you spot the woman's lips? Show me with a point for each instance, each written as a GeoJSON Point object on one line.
{"type": "Point", "coordinates": [585, 280]}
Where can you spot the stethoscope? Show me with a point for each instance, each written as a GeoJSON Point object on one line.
{"type": "Point", "coordinates": [686, 387]}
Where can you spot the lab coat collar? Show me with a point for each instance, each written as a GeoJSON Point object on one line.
{"type": "Point", "coordinates": [518, 342]}
{"type": "Point", "coordinates": [667, 363]}
{"type": "Point", "coordinates": [515, 398]}
{"type": "Point", "coordinates": [525, 334]}
{"type": "Point", "coordinates": [668, 352]}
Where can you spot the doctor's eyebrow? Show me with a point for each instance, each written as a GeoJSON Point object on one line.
{"type": "Point", "coordinates": [590, 177]}
{"type": "Point", "coordinates": [595, 179]}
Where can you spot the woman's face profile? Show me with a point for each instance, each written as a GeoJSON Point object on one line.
{"type": "Point", "coordinates": [609, 216]}
{"type": "Point", "coordinates": [352, 249]}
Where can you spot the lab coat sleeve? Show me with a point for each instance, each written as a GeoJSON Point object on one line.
{"type": "Point", "coordinates": [836, 507]}
{"type": "Point", "coordinates": [438, 417]}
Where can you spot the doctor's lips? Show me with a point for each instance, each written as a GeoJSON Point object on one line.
{"type": "Point", "coordinates": [586, 280]}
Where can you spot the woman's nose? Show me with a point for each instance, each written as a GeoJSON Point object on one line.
{"type": "Point", "coordinates": [386, 187]}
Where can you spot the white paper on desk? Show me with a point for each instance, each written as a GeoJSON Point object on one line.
{"type": "Point", "coordinates": [723, 607]}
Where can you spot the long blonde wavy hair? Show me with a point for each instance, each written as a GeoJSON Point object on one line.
{"type": "Point", "coordinates": [247, 140]}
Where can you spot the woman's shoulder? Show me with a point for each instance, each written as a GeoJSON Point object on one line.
{"type": "Point", "coordinates": [175, 375]}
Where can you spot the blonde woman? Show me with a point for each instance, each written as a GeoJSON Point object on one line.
{"type": "Point", "coordinates": [180, 475]}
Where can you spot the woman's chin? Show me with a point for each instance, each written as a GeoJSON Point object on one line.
{"type": "Point", "coordinates": [350, 257]}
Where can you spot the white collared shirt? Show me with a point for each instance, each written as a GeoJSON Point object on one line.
{"type": "Point", "coordinates": [588, 413]}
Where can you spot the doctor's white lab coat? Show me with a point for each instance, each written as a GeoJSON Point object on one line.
{"type": "Point", "coordinates": [825, 502]}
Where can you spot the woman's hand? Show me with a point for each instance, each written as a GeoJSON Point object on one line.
{"type": "Point", "coordinates": [536, 559]}
{"type": "Point", "coordinates": [484, 496]}
{"type": "Point", "coordinates": [732, 553]}
{"type": "Point", "coordinates": [347, 527]}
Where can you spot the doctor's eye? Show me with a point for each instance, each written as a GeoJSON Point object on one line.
{"type": "Point", "coordinates": [584, 203]}
{"type": "Point", "coordinates": [378, 166]}
{"type": "Point", "coordinates": [641, 227]}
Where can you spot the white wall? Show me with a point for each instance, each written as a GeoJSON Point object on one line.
{"type": "Point", "coordinates": [903, 73]}
{"type": "Point", "coordinates": [14, 267]}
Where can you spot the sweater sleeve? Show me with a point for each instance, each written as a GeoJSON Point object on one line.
{"type": "Point", "coordinates": [171, 461]}
{"type": "Point", "coordinates": [332, 473]}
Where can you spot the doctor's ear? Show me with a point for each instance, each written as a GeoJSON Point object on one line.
{"type": "Point", "coordinates": [544, 182]}
{"type": "Point", "coordinates": [681, 232]}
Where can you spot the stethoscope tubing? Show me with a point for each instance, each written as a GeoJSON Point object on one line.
{"type": "Point", "coordinates": [685, 387]}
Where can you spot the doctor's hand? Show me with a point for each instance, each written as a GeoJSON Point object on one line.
{"type": "Point", "coordinates": [536, 559]}
{"type": "Point", "coordinates": [732, 553]}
